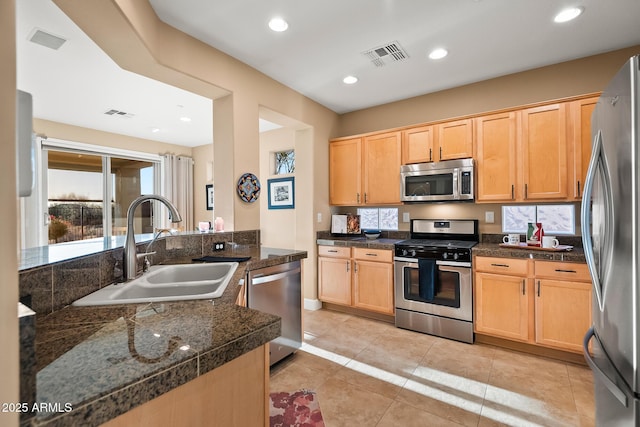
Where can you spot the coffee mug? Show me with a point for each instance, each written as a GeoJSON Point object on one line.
{"type": "Point", "coordinates": [550, 242]}
{"type": "Point", "coordinates": [511, 239]}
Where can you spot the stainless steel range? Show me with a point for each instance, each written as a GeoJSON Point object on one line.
{"type": "Point", "coordinates": [433, 281]}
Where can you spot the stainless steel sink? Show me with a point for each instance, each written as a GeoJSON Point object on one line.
{"type": "Point", "coordinates": [167, 283]}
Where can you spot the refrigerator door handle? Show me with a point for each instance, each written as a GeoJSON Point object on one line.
{"type": "Point", "coordinates": [597, 372]}
{"type": "Point", "coordinates": [585, 216]}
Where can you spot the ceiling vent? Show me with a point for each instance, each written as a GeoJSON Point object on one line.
{"type": "Point", "coordinates": [386, 54]}
{"type": "Point", "coordinates": [46, 39]}
{"type": "Point", "coordinates": [118, 113]}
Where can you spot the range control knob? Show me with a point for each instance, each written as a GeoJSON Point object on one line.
{"type": "Point", "coordinates": [413, 252]}
{"type": "Point", "coordinates": [445, 255]}
{"type": "Point", "coordinates": [455, 256]}
{"type": "Point", "coordinates": [404, 252]}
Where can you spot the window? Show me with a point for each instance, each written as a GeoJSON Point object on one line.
{"type": "Point", "coordinates": [86, 190]}
{"type": "Point", "coordinates": [378, 218]}
{"type": "Point", "coordinates": [555, 219]}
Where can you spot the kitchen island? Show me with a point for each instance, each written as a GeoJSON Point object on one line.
{"type": "Point", "coordinates": [96, 363]}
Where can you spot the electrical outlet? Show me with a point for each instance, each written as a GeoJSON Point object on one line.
{"type": "Point", "coordinates": [488, 217]}
{"type": "Point", "coordinates": [218, 246]}
{"type": "Point", "coordinates": [405, 217]}
{"type": "Point", "coordinates": [319, 217]}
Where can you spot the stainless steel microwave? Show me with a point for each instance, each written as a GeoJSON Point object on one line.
{"type": "Point", "coordinates": [451, 180]}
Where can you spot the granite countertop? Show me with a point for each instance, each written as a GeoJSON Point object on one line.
{"type": "Point", "coordinates": [95, 363]}
{"type": "Point", "coordinates": [495, 250]}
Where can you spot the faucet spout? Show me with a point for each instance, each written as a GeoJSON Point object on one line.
{"type": "Point", "coordinates": [130, 258]}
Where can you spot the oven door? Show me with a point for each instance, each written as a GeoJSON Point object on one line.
{"type": "Point", "coordinates": [451, 294]}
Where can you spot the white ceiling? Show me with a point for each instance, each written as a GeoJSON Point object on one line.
{"type": "Point", "coordinates": [324, 43]}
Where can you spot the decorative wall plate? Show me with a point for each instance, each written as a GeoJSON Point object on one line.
{"type": "Point", "coordinates": [248, 188]}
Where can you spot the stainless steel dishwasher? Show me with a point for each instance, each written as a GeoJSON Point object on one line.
{"type": "Point", "coordinates": [277, 290]}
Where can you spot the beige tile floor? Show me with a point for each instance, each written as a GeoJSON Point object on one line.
{"type": "Point", "coordinates": [370, 373]}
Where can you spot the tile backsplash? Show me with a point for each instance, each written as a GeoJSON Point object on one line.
{"type": "Point", "coordinates": [50, 287]}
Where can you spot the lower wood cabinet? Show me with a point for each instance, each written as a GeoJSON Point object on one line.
{"type": "Point", "coordinates": [356, 277]}
{"type": "Point", "coordinates": [546, 303]}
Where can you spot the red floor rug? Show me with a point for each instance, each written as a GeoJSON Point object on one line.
{"type": "Point", "coordinates": [299, 409]}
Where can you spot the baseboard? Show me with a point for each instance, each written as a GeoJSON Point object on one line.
{"type": "Point", "coordinates": [312, 304]}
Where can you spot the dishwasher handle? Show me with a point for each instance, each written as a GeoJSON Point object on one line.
{"type": "Point", "coordinates": [261, 279]}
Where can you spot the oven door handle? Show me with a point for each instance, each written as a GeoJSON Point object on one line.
{"type": "Point", "coordinates": [409, 260]}
{"type": "Point", "coordinates": [459, 264]}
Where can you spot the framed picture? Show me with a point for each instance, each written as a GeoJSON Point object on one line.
{"type": "Point", "coordinates": [209, 197]}
{"type": "Point", "coordinates": [281, 193]}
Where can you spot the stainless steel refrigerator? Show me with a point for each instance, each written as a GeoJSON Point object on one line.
{"type": "Point", "coordinates": [610, 219]}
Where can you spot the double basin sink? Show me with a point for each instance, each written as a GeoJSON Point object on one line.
{"type": "Point", "coordinates": [167, 283]}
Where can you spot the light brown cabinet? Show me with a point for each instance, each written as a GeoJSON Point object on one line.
{"type": "Point", "coordinates": [563, 304]}
{"type": "Point", "coordinates": [546, 303]}
{"type": "Point", "coordinates": [501, 295]}
{"type": "Point", "coordinates": [455, 139]}
{"type": "Point", "coordinates": [543, 152]}
{"type": "Point", "coordinates": [356, 277]}
{"type": "Point", "coordinates": [418, 145]}
{"type": "Point", "coordinates": [365, 170]}
{"type": "Point", "coordinates": [580, 135]}
{"type": "Point", "coordinates": [345, 172]}
{"type": "Point", "coordinates": [495, 156]}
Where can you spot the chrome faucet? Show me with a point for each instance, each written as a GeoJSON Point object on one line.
{"type": "Point", "coordinates": [130, 255]}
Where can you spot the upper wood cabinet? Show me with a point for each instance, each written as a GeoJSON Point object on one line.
{"type": "Point", "coordinates": [543, 151]}
{"type": "Point", "coordinates": [345, 172]}
{"type": "Point", "coordinates": [495, 138]}
{"type": "Point", "coordinates": [580, 135]}
{"type": "Point", "coordinates": [381, 168]}
{"type": "Point", "coordinates": [417, 145]}
{"type": "Point", "coordinates": [455, 140]}
{"type": "Point", "coordinates": [365, 171]}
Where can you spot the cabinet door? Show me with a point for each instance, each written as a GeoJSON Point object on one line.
{"type": "Point", "coordinates": [373, 286]}
{"type": "Point", "coordinates": [543, 147]}
{"type": "Point", "coordinates": [502, 306]}
{"type": "Point", "coordinates": [381, 165]}
{"type": "Point", "coordinates": [581, 111]}
{"type": "Point", "coordinates": [496, 157]}
{"type": "Point", "coordinates": [563, 313]}
{"type": "Point", "coordinates": [345, 172]}
{"type": "Point", "coordinates": [455, 140]}
{"type": "Point", "coordinates": [334, 280]}
{"type": "Point", "coordinates": [417, 145]}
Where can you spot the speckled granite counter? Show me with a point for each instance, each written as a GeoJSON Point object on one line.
{"type": "Point", "coordinates": [95, 363]}
{"type": "Point", "coordinates": [494, 250]}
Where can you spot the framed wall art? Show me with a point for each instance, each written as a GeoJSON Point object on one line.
{"type": "Point", "coordinates": [281, 193]}
{"type": "Point", "coordinates": [209, 197]}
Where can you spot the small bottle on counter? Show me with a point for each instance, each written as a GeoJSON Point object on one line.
{"type": "Point", "coordinates": [219, 224]}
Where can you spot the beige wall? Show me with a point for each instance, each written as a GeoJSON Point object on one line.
{"type": "Point", "coordinates": [8, 212]}
{"type": "Point", "coordinates": [278, 226]}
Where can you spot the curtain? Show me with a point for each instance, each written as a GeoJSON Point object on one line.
{"type": "Point", "coordinates": [178, 188]}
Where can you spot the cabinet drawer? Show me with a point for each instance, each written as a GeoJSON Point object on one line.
{"type": "Point", "coordinates": [562, 271]}
{"type": "Point", "coordinates": [334, 251]}
{"type": "Point", "coordinates": [517, 267]}
{"type": "Point", "coordinates": [380, 255]}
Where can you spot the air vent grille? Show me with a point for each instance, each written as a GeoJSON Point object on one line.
{"type": "Point", "coordinates": [386, 54]}
{"type": "Point", "coordinates": [46, 39]}
{"type": "Point", "coordinates": [118, 113]}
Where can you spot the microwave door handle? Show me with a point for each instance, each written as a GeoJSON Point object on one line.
{"type": "Point", "coordinates": [456, 184]}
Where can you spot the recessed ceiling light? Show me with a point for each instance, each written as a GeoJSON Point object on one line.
{"type": "Point", "coordinates": [185, 119]}
{"type": "Point", "coordinates": [155, 130]}
{"type": "Point", "coordinates": [438, 53]}
{"type": "Point", "coordinates": [349, 80]}
{"type": "Point", "coordinates": [278, 24]}
{"type": "Point", "coordinates": [568, 14]}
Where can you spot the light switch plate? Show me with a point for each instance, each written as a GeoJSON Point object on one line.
{"type": "Point", "coordinates": [405, 217]}
{"type": "Point", "coordinates": [319, 216]}
{"type": "Point", "coordinates": [488, 217]}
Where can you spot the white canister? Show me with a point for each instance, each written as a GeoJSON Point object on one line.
{"type": "Point", "coordinates": [218, 224]}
